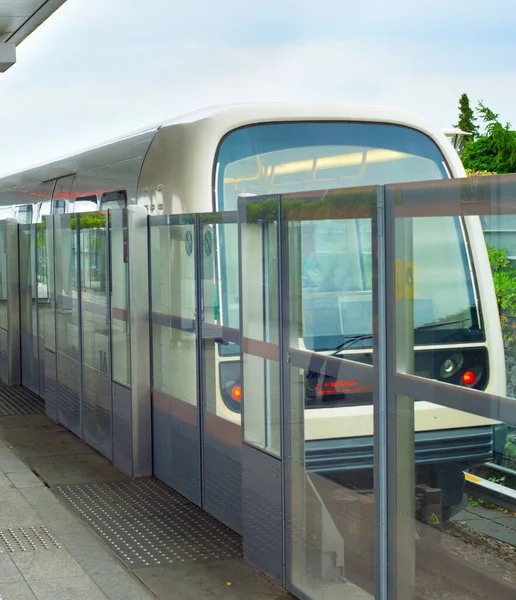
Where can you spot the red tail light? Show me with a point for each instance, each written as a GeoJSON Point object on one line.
{"type": "Point", "coordinates": [236, 393]}
{"type": "Point", "coordinates": [469, 378]}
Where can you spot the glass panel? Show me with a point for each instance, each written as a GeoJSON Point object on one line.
{"type": "Point", "coordinates": [4, 323]}
{"type": "Point", "coordinates": [97, 410]}
{"type": "Point", "coordinates": [260, 330]}
{"type": "Point", "coordinates": [329, 449]}
{"type": "Point", "coordinates": [28, 308]}
{"type": "Point", "coordinates": [454, 425]}
{"type": "Point", "coordinates": [46, 311]}
{"type": "Point", "coordinates": [4, 320]}
{"type": "Point", "coordinates": [67, 323]}
{"type": "Point", "coordinates": [221, 370]}
{"type": "Point", "coordinates": [120, 322]}
{"type": "Point", "coordinates": [174, 358]}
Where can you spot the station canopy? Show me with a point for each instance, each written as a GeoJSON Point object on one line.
{"type": "Point", "coordinates": [18, 19]}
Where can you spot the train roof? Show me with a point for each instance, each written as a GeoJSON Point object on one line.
{"type": "Point", "coordinates": [223, 118]}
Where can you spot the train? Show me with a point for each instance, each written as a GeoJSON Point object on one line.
{"type": "Point", "coordinates": [204, 161]}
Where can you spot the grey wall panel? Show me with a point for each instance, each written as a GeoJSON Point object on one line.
{"type": "Point", "coordinates": [176, 445]}
{"type": "Point", "coordinates": [262, 512]}
{"type": "Point", "coordinates": [4, 371]}
{"type": "Point", "coordinates": [96, 411]}
{"type": "Point", "coordinates": [140, 343]}
{"type": "Point", "coordinates": [223, 483]}
{"type": "Point", "coordinates": [122, 428]}
{"type": "Point", "coordinates": [50, 384]}
{"type": "Point", "coordinates": [13, 303]}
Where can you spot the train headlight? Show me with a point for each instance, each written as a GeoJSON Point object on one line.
{"type": "Point", "coordinates": [451, 365]}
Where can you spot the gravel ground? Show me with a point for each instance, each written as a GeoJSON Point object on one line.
{"type": "Point", "coordinates": [476, 550]}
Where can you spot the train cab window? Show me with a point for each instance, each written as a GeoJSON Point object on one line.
{"type": "Point", "coordinates": [294, 157]}
{"type": "Point", "coordinates": [336, 296]}
{"type": "Point", "coordinates": [85, 204]}
{"type": "Point", "coordinates": [113, 200]}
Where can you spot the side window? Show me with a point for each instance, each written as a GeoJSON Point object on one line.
{"type": "Point", "coordinates": [23, 214]}
{"type": "Point", "coordinates": [85, 204]}
{"type": "Point", "coordinates": [116, 199]}
{"type": "Point", "coordinates": [59, 207]}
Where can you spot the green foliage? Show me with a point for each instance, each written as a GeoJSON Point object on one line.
{"type": "Point", "coordinates": [94, 220]}
{"type": "Point", "coordinates": [495, 149]}
{"type": "Point", "coordinates": [504, 279]}
{"type": "Point", "coordinates": [467, 118]}
{"type": "Point", "coordinates": [313, 206]}
{"type": "Point", "coordinates": [471, 173]}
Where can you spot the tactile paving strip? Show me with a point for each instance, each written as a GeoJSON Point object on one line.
{"type": "Point", "coordinates": [16, 400]}
{"type": "Point", "coordinates": [25, 539]}
{"type": "Point", "coordinates": [147, 524]}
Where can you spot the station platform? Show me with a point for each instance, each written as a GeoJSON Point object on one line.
{"type": "Point", "coordinates": [73, 527]}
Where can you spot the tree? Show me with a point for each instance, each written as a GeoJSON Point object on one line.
{"type": "Point", "coordinates": [467, 118]}
{"type": "Point", "coordinates": [494, 149]}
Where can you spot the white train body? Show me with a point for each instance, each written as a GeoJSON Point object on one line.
{"type": "Point", "coordinates": [175, 168]}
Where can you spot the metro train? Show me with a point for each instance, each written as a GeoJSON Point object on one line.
{"type": "Point", "coordinates": [204, 161]}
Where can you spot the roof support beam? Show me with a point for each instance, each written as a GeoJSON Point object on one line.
{"type": "Point", "coordinates": [7, 56]}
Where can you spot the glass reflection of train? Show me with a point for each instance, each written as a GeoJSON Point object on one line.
{"type": "Point", "coordinates": [203, 162]}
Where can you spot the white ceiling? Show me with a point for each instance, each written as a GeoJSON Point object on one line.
{"type": "Point", "coordinates": [19, 18]}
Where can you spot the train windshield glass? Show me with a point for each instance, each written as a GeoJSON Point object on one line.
{"type": "Point", "coordinates": [336, 264]}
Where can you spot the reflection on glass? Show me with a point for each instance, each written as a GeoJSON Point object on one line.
{"type": "Point", "coordinates": [28, 308]}
{"type": "Point", "coordinates": [46, 315]}
{"type": "Point", "coordinates": [97, 410]}
{"type": "Point", "coordinates": [174, 358]}
{"type": "Point", "coordinates": [453, 538]}
{"type": "Point", "coordinates": [173, 308]}
{"type": "Point", "coordinates": [222, 392]}
{"type": "Point", "coordinates": [3, 278]}
{"type": "Point", "coordinates": [260, 323]}
{"type": "Point", "coordinates": [221, 305]}
{"type": "Point", "coordinates": [67, 323]}
{"type": "Point", "coordinates": [330, 425]}
{"type": "Point", "coordinates": [120, 321]}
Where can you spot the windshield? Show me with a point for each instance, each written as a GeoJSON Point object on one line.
{"type": "Point", "coordinates": [336, 255]}
{"type": "Point", "coordinates": [337, 283]}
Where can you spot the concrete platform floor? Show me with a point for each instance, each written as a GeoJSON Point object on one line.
{"type": "Point", "coordinates": [47, 552]}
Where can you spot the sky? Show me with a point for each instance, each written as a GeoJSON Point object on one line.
{"type": "Point", "coordinates": [98, 69]}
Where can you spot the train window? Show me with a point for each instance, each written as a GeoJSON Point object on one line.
{"type": "Point", "coordinates": [59, 207]}
{"type": "Point", "coordinates": [116, 199]}
{"type": "Point", "coordinates": [85, 204]}
{"type": "Point", "coordinates": [23, 214]}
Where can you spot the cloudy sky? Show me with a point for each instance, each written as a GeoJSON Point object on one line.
{"type": "Point", "coordinates": [100, 68]}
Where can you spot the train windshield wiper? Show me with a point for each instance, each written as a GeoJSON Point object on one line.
{"type": "Point", "coordinates": [351, 341]}
{"type": "Point", "coordinates": [440, 324]}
